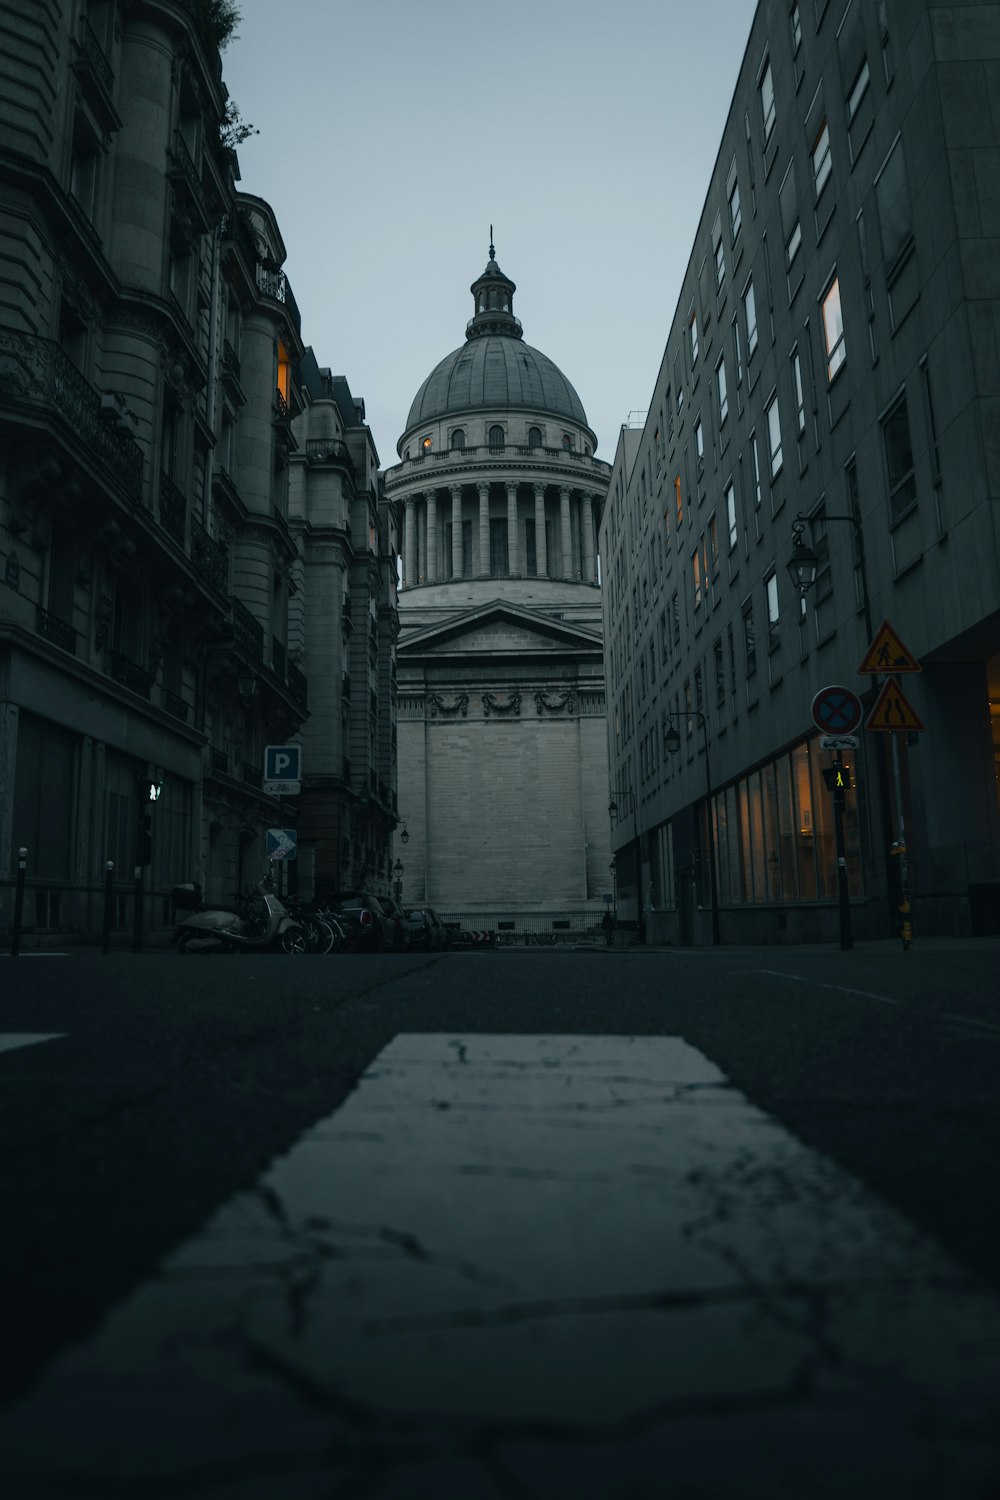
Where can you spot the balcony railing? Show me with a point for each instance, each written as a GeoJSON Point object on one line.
{"type": "Point", "coordinates": [220, 760]}
{"type": "Point", "coordinates": [184, 171]}
{"type": "Point", "coordinates": [483, 453]}
{"type": "Point", "coordinates": [173, 509]}
{"type": "Point", "coordinates": [230, 361]}
{"type": "Point", "coordinates": [174, 704]}
{"type": "Point", "coordinates": [130, 674]}
{"type": "Point", "coordinates": [96, 58]}
{"type": "Point", "coordinates": [278, 657]}
{"type": "Point", "coordinates": [281, 405]}
{"type": "Point", "coordinates": [328, 451]}
{"type": "Point", "coordinates": [209, 557]}
{"type": "Point", "coordinates": [252, 775]}
{"type": "Point", "coordinates": [276, 284]}
{"type": "Point", "coordinates": [34, 371]}
{"type": "Point", "coordinates": [56, 630]}
{"type": "Point", "coordinates": [247, 630]}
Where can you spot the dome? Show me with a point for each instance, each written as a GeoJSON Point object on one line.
{"type": "Point", "coordinates": [495, 370]}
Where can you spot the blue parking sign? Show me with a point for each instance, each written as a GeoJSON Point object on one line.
{"type": "Point", "coordinates": [283, 763]}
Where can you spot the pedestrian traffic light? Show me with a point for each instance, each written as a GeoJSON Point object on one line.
{"type": "Point", "coordinates": [145, 839]}
{"type": "Point", "coordinates": [838, 778]}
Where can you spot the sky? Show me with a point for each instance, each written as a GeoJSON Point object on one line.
{"type": "Point", "coordinates": [393, 133]}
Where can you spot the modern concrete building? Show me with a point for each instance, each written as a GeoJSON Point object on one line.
{"type": "Point", "coordinates": [834, 352]}
{"type": "Point", "coordinates": [190, 517]}
{"type": "Point", "coordinates": [502, 742]}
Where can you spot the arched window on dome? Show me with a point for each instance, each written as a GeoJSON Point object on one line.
{"type": "Point", "coordinates": [426, 444]}
{"type": "Point", "coordinates": [482, 301]}
{"type": "Point", "coordinates": [534, 437]}
{"type": "Point", "coordinates": [567, 440]}
{"type": "Point", "coordinates": [496, 439]}
{"type": "Point", "coordinates": [458, 438]}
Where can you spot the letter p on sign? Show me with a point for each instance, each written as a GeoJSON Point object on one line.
{"type": "Point", "coordinates": [283, 763]}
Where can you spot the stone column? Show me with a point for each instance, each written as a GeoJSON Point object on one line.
{"type": "Point", "coordinates": [484, 529]}
{"type": "Point", "coordinates": [456, 530]}
{"type": "Point", "coordinates": [432, 537]}
{"type": "Point", "coordinates": [541, 562]}
{"type": "Point", "coordinates": [410, 570]}
{"type": "Point", "coordinates": [512, 530]}
{"type": "Point", "coordinates": [587, 525]}
{"type": "Point", "coordinates": [567, 534]}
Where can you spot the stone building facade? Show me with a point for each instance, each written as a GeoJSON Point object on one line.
{"type": "Point", "coordinates": [829, 387]}
{"type": "Point", "coordinates": [502, 742]}
{"type": "Point", "coordinates": [164, 508]}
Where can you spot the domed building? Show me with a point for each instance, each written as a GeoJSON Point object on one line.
{"type": "Point", "coordinates": [502, 745]}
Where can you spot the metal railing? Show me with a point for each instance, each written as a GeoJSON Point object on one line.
{"type": "Point", "coordinates": [55, 630]}
{"type": "Point", "coordinates": [174, 704]}
{"type": "Point", "coordinates": [276, 284]}
{"type": "Point", "coordinates": [278, 657]}
{"type": "Point", "coordinates": [183, 167]}
{"type": "Point", "coordinates": [482, 452]}
{"type": "Point", "coordinates": [209, 556]}
{"type": "Point", "coordinates": [173, 509]}
{"type": "Point", "coordinates": [230, 360]}
{"type": "Point", "coordinates": [328, 451]}
{"type": "Point", "coordinates": [252, 775]}
{"type": "Point", "coordinates": [130, 674]}
{"type": "Point", "coordinates": [248, 632]}
{"type": "Point", "coordinates": [35, 371]}
{"type": "Point", "coordinates": [298, 684]}
{"type": "Point", "coordinates": [96, 56]}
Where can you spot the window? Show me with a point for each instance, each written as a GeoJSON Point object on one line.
{"type": "Point", "coordinates": [696, 577]}
{"type": "Point", "coordinates": [767, 109]}
{"type": "Point", "coordinates": [749, 638]}
{"type": "Point", "coordinates": [567, 441]}
{"type": "Point", "coordinates": [713, 542]}
{"type": "Point", "coordinates": [496, 442]}
{"type": "Point", "coordinates": [679, 498]}
{"type": "Point", "coordinates": [534, 437]}
{"type": "Point", "coordinates": [675, 616]}
{"type": "Point", "coordinates": [800, 403]}
{"type": "Point", "coordinates": [774, 437]}
{"type": "Point", "coordinates": [822, 165]}
{"type": "Point", "coordinates": [750, 307]}
{"type": "Point", "coordinates": [720, 263]}
{"type": "Point", "coordinates": [426, 444]}
{"type": "Point", "coordinates": [458, 438]}
{"type": "Point", "coordinates": [771, 592]}
{"type": "Point", "coordinates": [737, 352]}
{"type": "Point", "coordinates": [498, 547]}
{"type": "Point", "coordinates": [693, 333]}
{"type": "Point", "coordinates": [720, 673]}
{"type": "Point", "coordinates": [833, 329]}
{"type": "Point", "coordinates": [735, 213]}
{"type": "Point", "coordinates": [899, 461]}
{"type": "Point", "coordinates": [699, 442]}
{"type": "Point", "coordinates": [755, 468]}
{"type": "Point", "coordinates": [731, 516]}
{"type": "Point", "coordinates": [796, 24]}
{"type": "Point", "coordinates": [723, 394]}
{"type": "Point", "coordinates": [530, 557]}
{"type": "Point", "coordinates": [857, 92]}
{"type": "Point", "coordinates": [794, 244]}
{"type": "Point", "coordinates": [895, 217]}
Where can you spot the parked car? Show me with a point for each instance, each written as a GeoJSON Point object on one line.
{"type": "Point", "coordinates": [363, 919]}
{"type": "Point", "coordinates": [405, 929]}
{"type": "Point", "coordinates": [428, 929]}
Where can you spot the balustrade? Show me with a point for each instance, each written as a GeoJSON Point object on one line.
{"type": "Point", "coordinates": [209, 556]}
{"type": "Point", "coordinates": [247, 629]}
{"type": "Point", "coordinates": [130, 673]}
{"type": "Point", "coordinates": [57, 631]}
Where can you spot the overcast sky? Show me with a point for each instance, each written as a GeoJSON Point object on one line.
{"type": "Point", "coordinates": [394, 132]}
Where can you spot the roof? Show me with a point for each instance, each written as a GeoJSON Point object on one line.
{"type": "Point", "coordinates": [495, 371]}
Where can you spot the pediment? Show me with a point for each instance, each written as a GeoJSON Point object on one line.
{"type": "Point", "coordinates": [500, 629]}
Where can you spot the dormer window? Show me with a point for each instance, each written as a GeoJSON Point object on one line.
{"type": "Point", "coordinates": [534, 437]}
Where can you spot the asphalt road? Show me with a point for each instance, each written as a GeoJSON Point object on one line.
{"type": "Point", "coordinates": [172, 1086]}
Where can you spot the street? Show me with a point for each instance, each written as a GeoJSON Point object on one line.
{"type": "Point", "coordinates": [529, 1222]}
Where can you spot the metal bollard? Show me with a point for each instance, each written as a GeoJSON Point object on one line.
{"type": "Point", "coordinates": [15, 933]}
{"type": "Point", "coordinates": [109, 870]}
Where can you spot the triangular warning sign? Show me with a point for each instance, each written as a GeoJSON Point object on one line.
{"type": "Point", "coordinates": [888, 654]}
{"type": "Point", "coordinates": [892, 711]}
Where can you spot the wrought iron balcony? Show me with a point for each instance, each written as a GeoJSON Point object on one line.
{"type": "Point", "coordinates": [173, 509]}
{"type": "Point", "coordinates": [298, 685]}
{"type": "Point", "coordinates": [35, 372]}
{"type": "Point", "coordinates": [91, 65]}
{"type": "Point", "coordinates": [174, 704]}
{"type": "Point", "coordinates": [275, 284]}
{"type": "Point", "coordinates": [184, 172]}
{"type": "Point", "coordinates": [278, 657]}
{"type": "Point", "coordinates": [130, 673]}
{"type": "Point", "coordinates": [209, 557]}
{"type": "Point", "coordinates": [220, 760]}
{"type": "Point", "coordinates": [247, 629]}
{"type": "Point", "coordinates": [252, 775]}
{"type": "Point", "coordinates": [57, 631]}
{"type": "Point", "coordinates": [328, 451]}
{"type": "Point", "coordinates": [281, 406]}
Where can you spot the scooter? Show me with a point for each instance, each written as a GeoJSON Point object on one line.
{"type": "Point", "coordinates": [265, 924]}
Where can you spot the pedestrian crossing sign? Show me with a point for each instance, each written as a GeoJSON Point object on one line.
{"type": "Point", "coordinates": [891, 710]}
{"type": "Point", "coordinates": [887, 654]}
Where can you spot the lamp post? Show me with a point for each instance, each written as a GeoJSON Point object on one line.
{"type": "Point", "coordinates": [397, 870]}
{"type": "Point", "coordinates": [803, 564]}
{"type": "Point", "coordinates": [629, 796]}
{"type": "Point", "coordinates": [673, 744]}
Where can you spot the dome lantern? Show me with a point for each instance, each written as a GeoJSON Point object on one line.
{"type": "Point", "coordinates": [493, 302]}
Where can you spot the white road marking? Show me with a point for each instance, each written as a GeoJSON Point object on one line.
{"type": "Point", "coordinates": [11, 1039]}
{"type": "Point", "coordinates": [867, 994]}
{"type": "Point", "coordinates": [986, 1026]}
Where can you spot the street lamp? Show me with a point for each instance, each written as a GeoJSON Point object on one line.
{"type": "Point", "coordinates": [404, 837]}
{"type": "Point", "coordinates": [803, 565]}
{"type": "Point", "coordinates": [673, 744]}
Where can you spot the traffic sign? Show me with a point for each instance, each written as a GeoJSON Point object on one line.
{"type": "Point", "coordinates": [839, 742]}
{"type": "Point", "coordinates": [283, 763]}
{"type": "Point", "coordinates": [892, 711]}
{"type": "Point", "coordinates": [281, 843]}
{"type": "Point", "coordinates": [887, 654]}
{"type": "Point", "coordinates": [836, 710]}
{"type": "Point", "coordinates": [282, 788]}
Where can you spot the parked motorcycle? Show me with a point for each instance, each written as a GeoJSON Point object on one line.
{"type": "Point", "coordinates": [265, 923]}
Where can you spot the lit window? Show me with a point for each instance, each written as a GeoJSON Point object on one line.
{"type": "Point", "coordinates": [774, 437]}
{"type": "Point", "coordinates": [696, 577]}
{"type": "Point", "coordinates": [822, 165]}
{"type": "Point", "coordinates": [750, 306]}
{"type": "Point", "coordinates": [679, 499]}
{"type": "Point", "coordinates": [720, 384]}
{"type": "Point", "coordinates": [767, 102]}
{"type": "Point", "coordinates": [833, 329]}
{"type": "Point", "coordinates": [426, 444]}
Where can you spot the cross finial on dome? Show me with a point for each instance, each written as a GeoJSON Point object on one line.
{"type": "Point", "coordinates": [493, 253]}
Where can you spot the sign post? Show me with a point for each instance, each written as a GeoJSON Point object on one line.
{"type": "Point", "coordinates": [892, 714]}
{"type": "Point", "coordinates": [839, 780]}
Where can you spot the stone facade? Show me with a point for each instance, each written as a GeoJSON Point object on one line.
{"type": "Point", "coordinates": [831, 372]}
{"type": "Point", "coordinates": [163, 504]}
{"type": "Point", "coordinates": [502, 737]}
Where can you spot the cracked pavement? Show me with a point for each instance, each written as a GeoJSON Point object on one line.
{"type": "Point", "coordinates": [533, 1266]}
